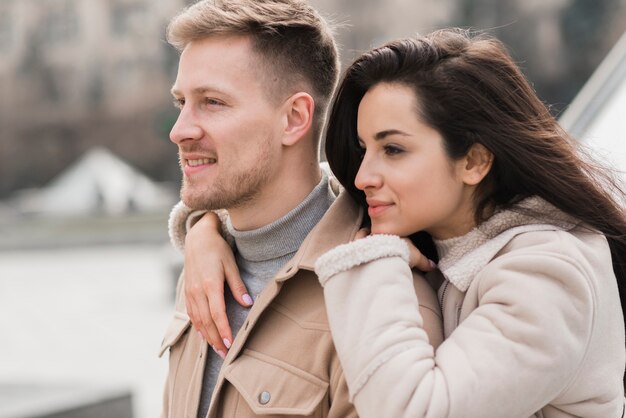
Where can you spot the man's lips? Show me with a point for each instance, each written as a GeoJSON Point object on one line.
{"type": "Point", "coordinates": [194, 163]}
{"type": "Point", "coordinates": [200, 161]}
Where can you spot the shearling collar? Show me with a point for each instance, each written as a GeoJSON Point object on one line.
{"type": "Point", "coordinates": [462, 258]}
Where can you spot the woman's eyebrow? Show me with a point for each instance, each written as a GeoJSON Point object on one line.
{"type": "Point", "coordinates": [383, 134]}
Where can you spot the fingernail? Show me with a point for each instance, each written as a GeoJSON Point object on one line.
{"type": "Point", "coordinates": [200, 335]}
{"type": "Point", "coordinates": [219, 352]}
{"type": "Point", "coordinates": [226, 342]}
{"type": "Point", "coordinates": [247, 299]}
{"type": "Point", "coordinates": [432, 264]}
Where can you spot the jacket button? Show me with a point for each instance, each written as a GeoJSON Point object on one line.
{"type": "Point", "coordinates": [264, 397]}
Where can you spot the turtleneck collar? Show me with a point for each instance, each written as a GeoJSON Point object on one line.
{"type": "Point", "coordinates": [461, 258]}
{"type": "Point", "coordinates": [285, 235]}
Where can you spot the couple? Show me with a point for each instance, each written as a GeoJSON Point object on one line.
{"type": "Point", "coordinates": [501, 298]}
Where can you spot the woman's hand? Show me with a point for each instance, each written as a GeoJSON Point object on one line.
{"type": "Point", "coordinates": [416, 258]}
{"type": "Point", "coordinates": [209, 262]}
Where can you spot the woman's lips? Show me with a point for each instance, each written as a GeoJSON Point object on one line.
{"type": "Point", "coordinates": [377, 208]}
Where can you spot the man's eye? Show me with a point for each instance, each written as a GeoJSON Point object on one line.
{"type": "Point", "coordinates": [179, 103]}
{"type": "Point", "coordinates": [212, 102]}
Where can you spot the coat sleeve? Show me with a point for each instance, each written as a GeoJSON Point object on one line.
{"type": "Point", "coordinates": [339, 391]}
{"type": "Point", "coordinates": [509, 357]}
{"type": "Point", "coordinates": [182, 218]}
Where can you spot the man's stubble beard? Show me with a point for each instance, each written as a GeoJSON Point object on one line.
{"type": "Point", "coordinates": [238, 190]}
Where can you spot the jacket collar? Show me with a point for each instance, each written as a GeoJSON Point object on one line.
{"type": "Point", "coordinates": [338, 226]}
{"type": "Point", "coordinates": [464, 257]}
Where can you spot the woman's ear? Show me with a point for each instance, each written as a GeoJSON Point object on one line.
{"type": "Point", "coordinates": [478, 162]}
{"type": "Point", "coordinates": [299, 110]}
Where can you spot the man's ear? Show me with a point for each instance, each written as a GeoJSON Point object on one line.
{"type": "Point", "coordinates": [477, 163]}
{"type": "Point", "coordinates": [299, 110]}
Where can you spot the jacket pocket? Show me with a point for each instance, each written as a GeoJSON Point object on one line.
{"type": "Point", "coordinates": [175, 330]}
{"type": "Point", "coordinates": [272, 387]}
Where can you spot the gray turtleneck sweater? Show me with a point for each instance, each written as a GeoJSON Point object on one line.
{"type": "Point", "coordinates": [260, 253]}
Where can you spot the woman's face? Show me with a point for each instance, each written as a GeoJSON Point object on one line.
{"type": "Point", "coordinates": [409, 181]}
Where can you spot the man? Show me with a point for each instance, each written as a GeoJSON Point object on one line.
{"type": "Point", "coordinates": [253, 85]}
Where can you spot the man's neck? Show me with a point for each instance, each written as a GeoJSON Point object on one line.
{"type": "Point", "coordinates": [276, 200]}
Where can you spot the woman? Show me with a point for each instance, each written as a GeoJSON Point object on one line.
{"type": "Point", "coordinates": [443, 134]}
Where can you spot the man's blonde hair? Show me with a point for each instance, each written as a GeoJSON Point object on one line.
{"type": "Point", "coordinates": [291, 38]}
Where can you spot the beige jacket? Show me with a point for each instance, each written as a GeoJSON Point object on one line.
{"type": "Point", "coordinates": [283, 361]}
{"type": "Point", "coordinates": [532, 320]}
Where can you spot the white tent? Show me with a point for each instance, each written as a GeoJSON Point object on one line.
{"type": "Point", "coordinates": [99, 182]}
{"type": "Point", "coordinates": [597, 116]}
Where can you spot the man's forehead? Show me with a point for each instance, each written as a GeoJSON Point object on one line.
{"type": "Point", "coordinates": [230, 66]}
{"type": "Point", "coordinates": [214, 58]}
{"type": "Point", "coordinates": [226, 46]}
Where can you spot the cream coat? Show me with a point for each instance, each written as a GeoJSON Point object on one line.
{"type": "Point", "coordinates": [284, 353]}
{"type": "Point", "coordinates": [532, 319]}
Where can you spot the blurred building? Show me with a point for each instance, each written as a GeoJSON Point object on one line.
{"type": "Point", "coordinates": [87, 55]}
{"type": "Point", "coordinates": [98, 183]}
{"type": "Point", "coordinates": [75, 73]}
{"type": "Point", "coordinates": [596, 116]}
{"type": "Point", "coordinates": [557, 43]}
{"type": "Point", "coordinates": [364, 24]}
{"type": "Point", "coordinates": [80, 73]}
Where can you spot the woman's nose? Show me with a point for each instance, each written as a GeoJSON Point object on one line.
{"type": "Point", "coordinates": [367, 177]}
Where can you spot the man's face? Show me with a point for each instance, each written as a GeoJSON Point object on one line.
{"type": "Point", "coordinates": [228, 131]}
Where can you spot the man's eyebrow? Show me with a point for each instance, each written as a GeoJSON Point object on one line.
{"type": "Point", "coordinates": [387, 132]}
{"type": "Point", "coordinates": [198, 91]}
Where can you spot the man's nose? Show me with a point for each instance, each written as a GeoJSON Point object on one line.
{"type": "Point", "coordinates": [186, 128]}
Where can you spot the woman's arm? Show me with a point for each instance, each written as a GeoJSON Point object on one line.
{"type": "Point", "coordinates": [510, 357]}
{"type": "Point", "coordinates": [209, 262]}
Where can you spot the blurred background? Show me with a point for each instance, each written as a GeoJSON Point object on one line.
{"type": "Point", "coordinates": [88, 174]}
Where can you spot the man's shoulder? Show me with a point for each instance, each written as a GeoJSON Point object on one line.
{"type": "Point", "coordinates": [301, 299]}
{"type": "Point", "coordinates": [338, 226]}
{"type": "Point", "coordinates": [301, 296]}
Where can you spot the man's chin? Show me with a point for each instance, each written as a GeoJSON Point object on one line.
{"type": "Point", "coordinates": [202, 201]}
{"type": "Point", "coordinates": [195, 202]}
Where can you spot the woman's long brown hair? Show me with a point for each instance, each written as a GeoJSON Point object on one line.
{"type": "Point", "coordinates": [470, 90]}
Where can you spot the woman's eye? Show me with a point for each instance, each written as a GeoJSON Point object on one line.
{"type": "Point", "coordinates": [179, 103]}
{"type": "Point", "coordinates": [393, 150]}
{"type": "Point", "coordinates": [360, 150]}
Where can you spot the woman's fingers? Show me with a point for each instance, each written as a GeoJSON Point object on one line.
{"type": "Point", "coordinates": [200, 316]}
{"type": "Point", "coordinates": [209, 261]}
{"type": "Point", "coordinates": [218, 317]}
{"type": "Point", "coordinates": [212, 336]}
{"type": "Point", "coordinates": [361, 233]}
{"type": "Point", "coordinates": [417, 259]}
{"type": "Point", "coordinates": [236, 285]}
